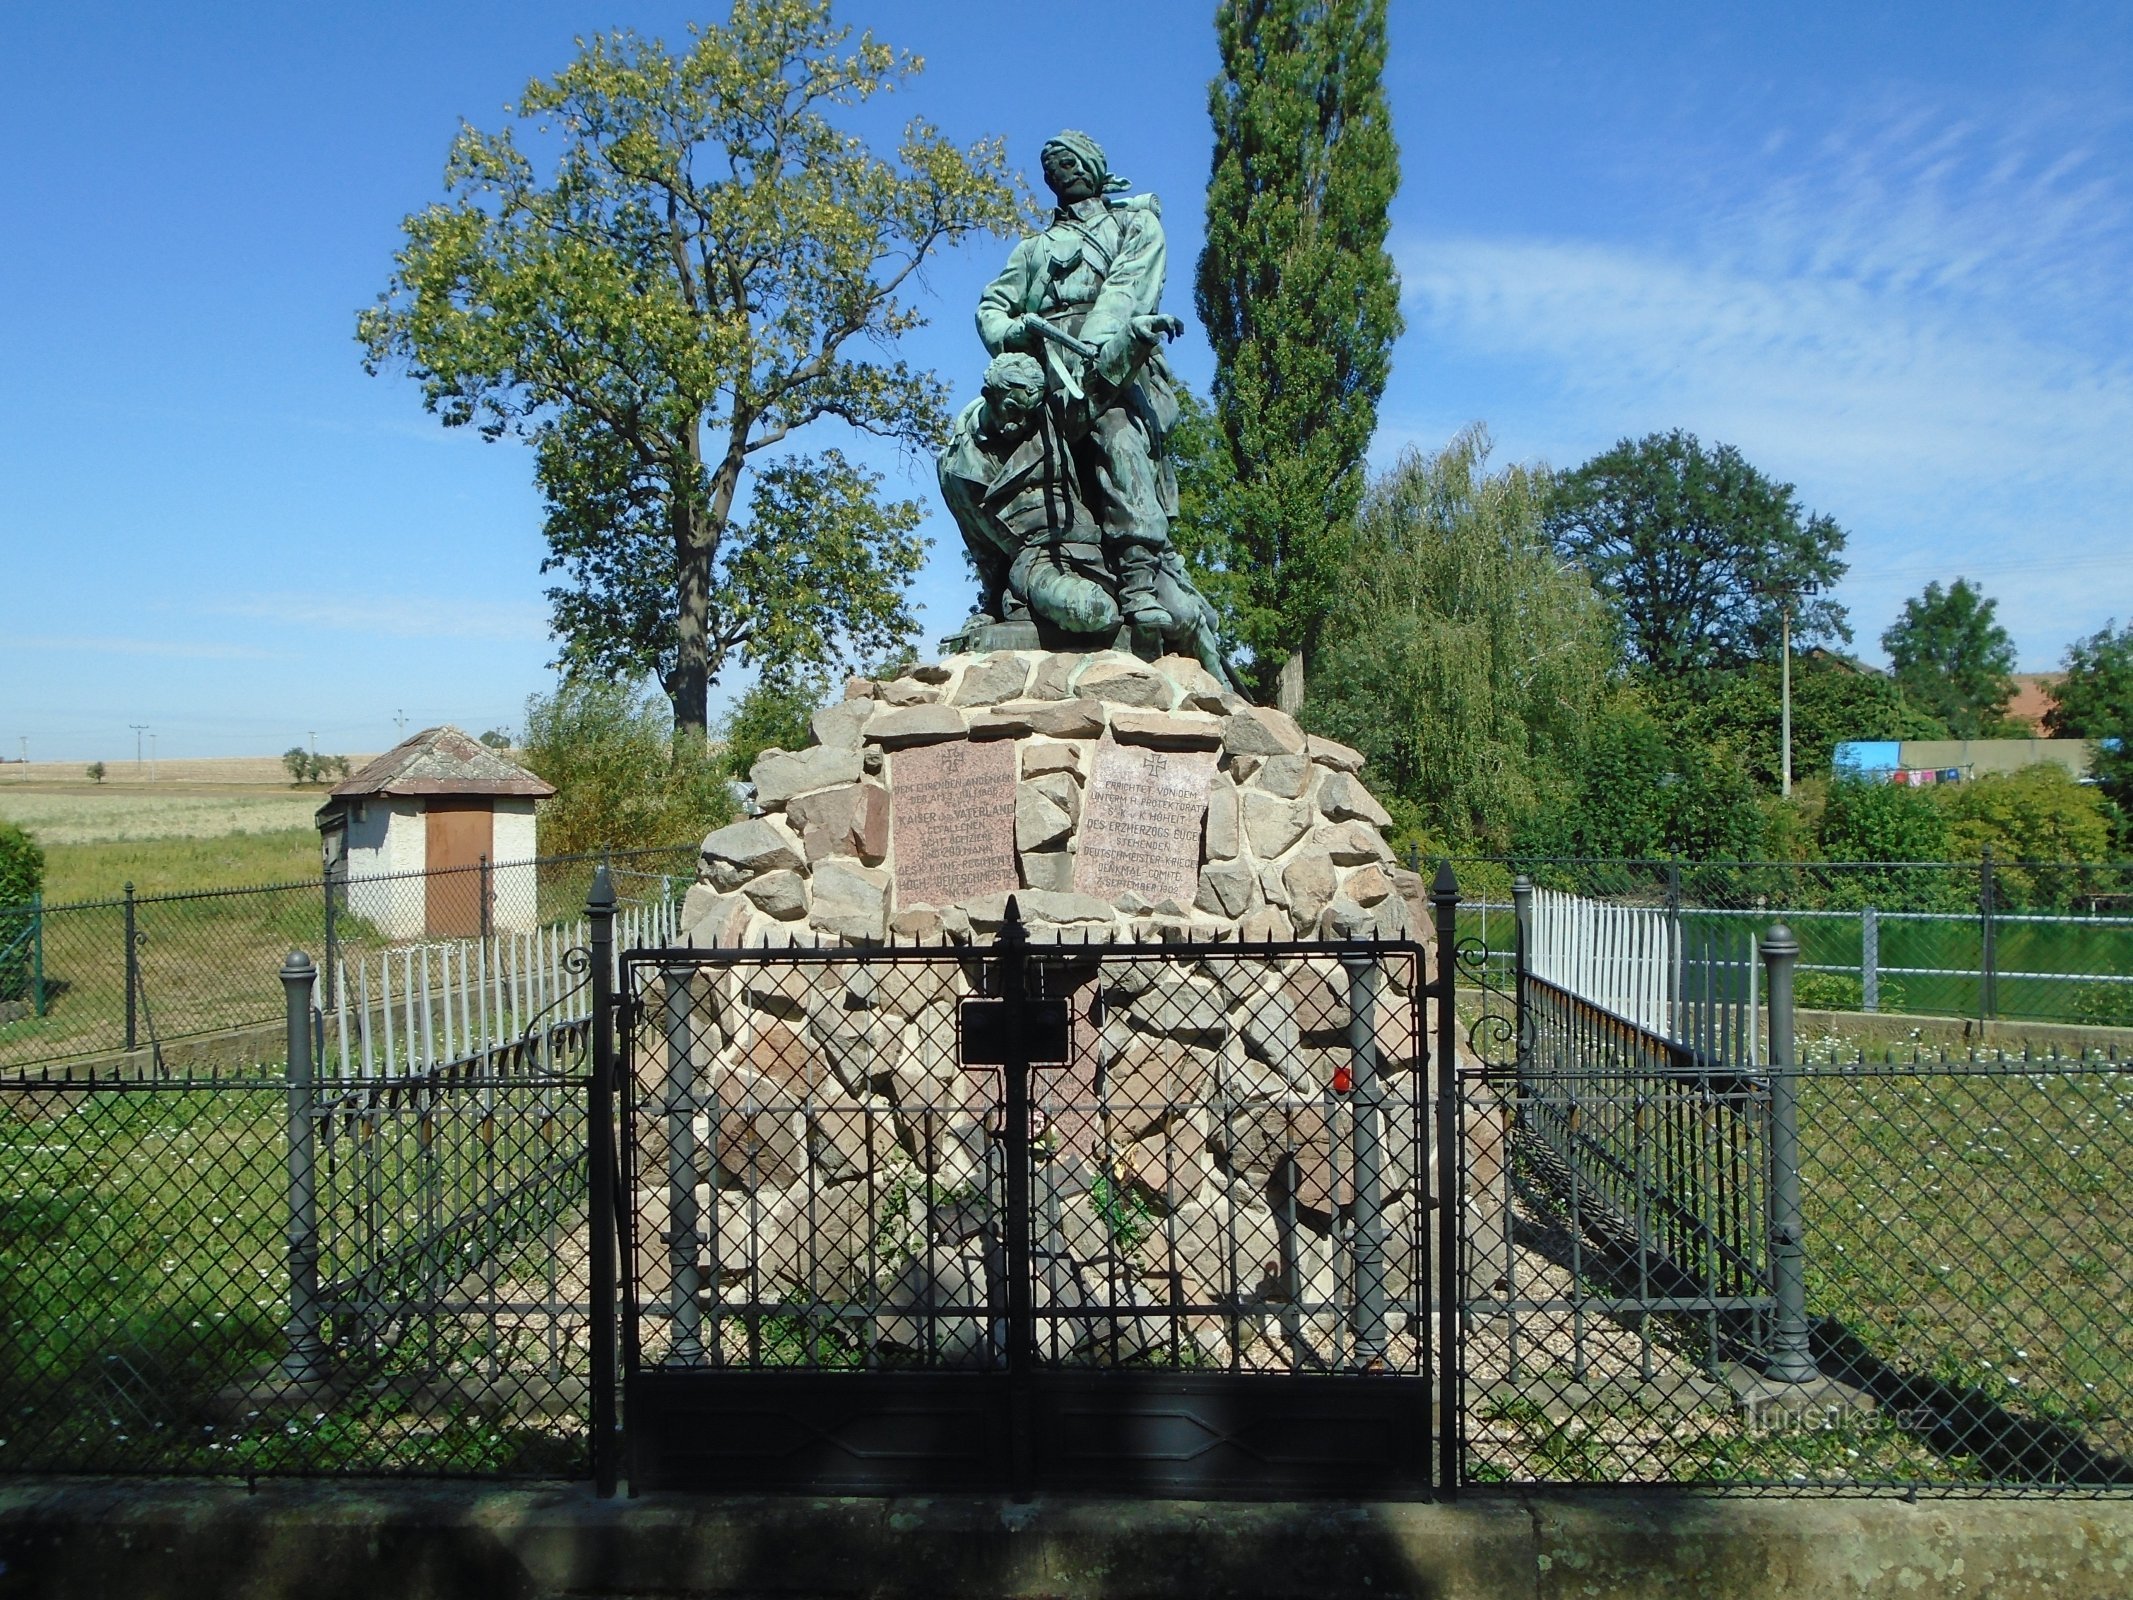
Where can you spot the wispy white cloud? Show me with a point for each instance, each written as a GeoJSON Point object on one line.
{"type": "Point", "coordinates": [1919, 321]}
{"type": "Point", "coordinates": [113, 644]}
{"type": "Point", "coordinates": [398, 616]}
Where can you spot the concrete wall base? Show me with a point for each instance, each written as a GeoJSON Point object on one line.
{"type": "Point", "coordinates": [194, 1541]}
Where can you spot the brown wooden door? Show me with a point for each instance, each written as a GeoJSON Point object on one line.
{"type": "Point", "coordinates": [459, 834]}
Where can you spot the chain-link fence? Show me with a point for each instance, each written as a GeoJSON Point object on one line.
{"type": "Point", "coordinates": [185, 982]}
{"type": "Point", "coordinates": [300, 1273]}
{"type": "Point", "coordinates": [1728, 1265]}
{"type": "Point", "coordinates": [1995, 942]}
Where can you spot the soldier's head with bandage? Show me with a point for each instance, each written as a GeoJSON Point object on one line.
{"type": "Point", "coordinates": [1075, 168]}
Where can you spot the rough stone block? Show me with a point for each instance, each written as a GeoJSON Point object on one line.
{"type": "Point", "coordinates": [1122, 681]}
{"type": "Point", "coordinates": [1286, 776]}
{"type": "Point", "coordinates": [1226, 888]}
{"type": "Point", "coordinates": [742, 850]}
{"type": "Point", "coordinates": [1169, 1165]}
{"type": "Point", "coordinates": [1342, 797]}
{"type": "Point", "coordinates": [909, 692]}
{"type": "Point", "coordinates": [1040, 821]}
{"type": "Point", "coordinates": [1053, 675]}
{"type": "Point", "coordinates": [1221, 836]}
{"type": "Point", "coordinates": [849, 902]}
{"type": "Point", "coordinates": [1366, 886]}
{"type": "Point", "coordinates": [1167, 730]}
{"type": "Point", "coordinates": [849, 821]}
{"type": "Point", "coordinates": [915, 724]}
{"type": "Point", "coordinates": [1332, 753]}
{"type": "Point", "coordinates": [1180, 1006]}
{"type": "Point", "coordinates": [1266, 922]}
{"type": "Point", "coordinates": [1196, 686]}
{"type": "Point", "coordinates": [1273, 825]}
{"type": "Point", "coordinates": [1353, 843]}
{"type": "Point", "coordinates": [1308, 884]}
{"type": "Point", "coordinates": [1262, 731]}
{"type": "Point", "coordinates": [1043, 759]}
{"type": "Point", "coordinates": [1051, 870]}
{"type": "Point", "coordinates": [1058, 719]}
{"type": "Point", "coordinates": [1153, 1079]}
{"type": "Point", "coordinates": [779, 894]}
{"type": "Point", "coordinates": [842, 726]}
{"type": "Point", "coordinates": [990, 679]}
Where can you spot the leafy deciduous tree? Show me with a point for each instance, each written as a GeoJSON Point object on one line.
{"type": "Point", "coordinates": [1298, 295]}
{"type": "Point", "coordinates": [1699, 552]}
{"type": "Point", "coordinates": [623, 779]}
{"type": "Point", "coordinates": [1953, 660]}
{"type": "Point", "coordinates": [1472, 660]}
{"type": "Point", "coordinates": [685, 288]}
{"type": "Point", "coordinates": [2040, 825]}
{"type": "Point", "coordinates": [2095, 701]}
{"type": "Point", "coordinates": [1831, 702]}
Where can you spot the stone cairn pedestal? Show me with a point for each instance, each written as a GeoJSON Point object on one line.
{"type": "Point", "coordinates": [1120, 802]}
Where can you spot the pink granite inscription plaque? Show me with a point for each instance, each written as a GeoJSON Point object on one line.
{"type": "Point", "coordinates": [952, 821]}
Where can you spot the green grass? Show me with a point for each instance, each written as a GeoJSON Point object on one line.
{"type": "Point", "coordinates": [143, 1242]}
{"type": "Point", "coordinates": [100, 870]}
{"type": "Point", "coordinates": [1977, 1232]}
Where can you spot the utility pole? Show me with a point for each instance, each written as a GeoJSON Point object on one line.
{"type": "Point", "coordinates": [1785, 694]}
{"type": "Point", "coordinates": [138, 728]}
{"type": "Point", "coordinates": [399, 725]}
{"type": "Point", "coordinates": [24, 741]}
{"type": "Point", "coordinates": [151, 755]}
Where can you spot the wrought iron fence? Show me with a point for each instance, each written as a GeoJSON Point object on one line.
{"type": "Point", "coordinates": [184, 983]}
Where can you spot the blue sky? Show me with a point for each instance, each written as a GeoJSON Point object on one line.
{"type": "Point", "coordinates": [1883, 249]}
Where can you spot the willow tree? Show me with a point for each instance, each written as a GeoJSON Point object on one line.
{"type": "Point", "coordinates": [1474, 663]}
{"type": "Point", "coordinates": [699, 265]}
{"type": "Point", "coordinates": [1299, 297]}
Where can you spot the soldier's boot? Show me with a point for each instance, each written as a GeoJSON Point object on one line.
{"type": "Point", "coordinates": [1138, 600]}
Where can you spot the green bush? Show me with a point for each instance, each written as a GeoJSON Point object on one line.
{"type": "Point", "coordinates": [775, 714]}
{"type": "Point", "coordinates": [1837, 991]}
{"type": "Point", "coordinates": [21, 866]}
{"type": "Point", "coordinates": [621, 782]}
{"type": "Point", "coordinates": [2104, 1005]}
{"type": "Point", "coordinates": [21, 882]}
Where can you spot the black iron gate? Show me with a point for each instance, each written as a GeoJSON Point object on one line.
{"type": "Point", "coordinates": [1164, 1218]}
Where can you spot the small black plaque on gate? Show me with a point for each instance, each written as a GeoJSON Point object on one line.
{"type": "Point", "coordinates": [990, 1027]}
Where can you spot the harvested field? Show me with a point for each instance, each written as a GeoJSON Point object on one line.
{"type": "Point", "coordinates": [109, 813]}
{"type": "Point", "coordinates": [249, 771]}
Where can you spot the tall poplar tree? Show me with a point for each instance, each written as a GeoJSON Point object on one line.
{"type": "Point", "coordinates": [1299, 298]}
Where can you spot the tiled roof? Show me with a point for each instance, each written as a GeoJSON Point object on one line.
{"type": "Point", "coordinates": [442, 761]}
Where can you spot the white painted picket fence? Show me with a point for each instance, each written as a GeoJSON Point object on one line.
{"type": "Point", "coordinates": [1624, 959]}
{"type": "Point", "coordinates": [411, 1008]}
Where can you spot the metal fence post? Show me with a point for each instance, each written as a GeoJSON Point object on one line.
{"type": "Point", "coordinates": [1021, 1353]}
{"type": "Point", "coordinates": [305, 1359]}
{"type": "Point", "coordinates": [683, 1225]}
{"type": "Point", "coordinates": [333, 939]}
{"type": "Point", "coordinates": [1988, 990]}
{"type": "Point", "coordinates": [1870, 959]}
{"type": "Point", "coordinates": [1450, 1285]}
{"type": "Point", "coordinates": [1521, 953]}
{"type": "Point", "coordinates": [37, 953]}
{"type": "Point", "coordinates": [600, 1170]}
{"type": "Point", "coordinates": [487, 924]}
{"type": "Point", "coordinates": [1790, 1358]}
{"type": "Point", "coordinates": [1366, 1100]}
{"type": "Point", "coordinates": [133, 975]}
{"type": "Point", "coordinates": [1677, 975]}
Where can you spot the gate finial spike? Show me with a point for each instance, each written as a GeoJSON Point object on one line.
{"type": "Point", "coordinates": [1445, 886]}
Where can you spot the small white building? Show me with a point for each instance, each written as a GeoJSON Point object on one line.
{"type": "Point", "coordinates": [436, 838]}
